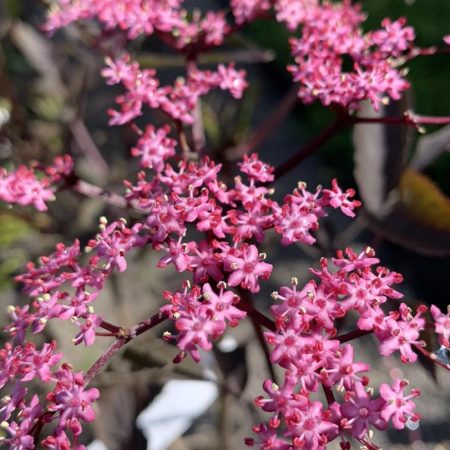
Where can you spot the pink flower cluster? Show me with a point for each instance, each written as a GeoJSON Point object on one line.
{"type": "Point", "coordinates": [331, 34]}
{"type": "Point", "coordinates": [67, 404]}
{"type": "Point", "coordinates": [26, 186]}
{"type": "Point", "coordinates": [307, 347]}
{"type": "Point", "coordinates": [180, 199]}
{"type": "Point", "coordinates": [64, 288]}
{"type": "Point", "coordinates": [248, 10]}
{"type": "Point", "coordinates": [193, 195]}
{"type": "Point", "coordinates": [177, 101]}
{"type": "Point", "coordinates": [201, 316]}
{"type": "Point", "coordinates": [136, 17]}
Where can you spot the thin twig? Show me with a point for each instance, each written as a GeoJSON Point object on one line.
{"type": "Point", "coordinates": [87, 145]}
{"type": "Point", "coordinates": [244, 56]}
{"type": "Point", "coordinates": [182, 140]}
{"type": "Point", "coordinates": [101, 362]}
{"type": "Point", "coordinates": [311, 147]}
{"type": "Point", "coordinates": [407, 119]}
{"type": "Point", "coordinates": [125, 336]}
{"type": "Point", "coordinates": [110, 198]}
{"type": "Point", "coordinates": [198, 128]}
{"type": "Point", "coordinates": [355, 334]}
{"type": "Point", "coordinates": [432, 357]}
{"type": "Point", "coordinates": [247, 305]}
{"type": "Point", "coordinates": [267, 127]}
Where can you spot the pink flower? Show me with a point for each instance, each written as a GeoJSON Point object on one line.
{"type": "Point", "coordinates": [154, 148]}
{"type": "Point", "coordinates": [206, 263]}
{"type": "Point", "coordinates": [394, 38]}
{"type": "Point", "coordinates": [255, 169]}
{"type": "Point", "coordinates": [87, 330]}
{"type": "Point", "coordinates": [332, 32]}
{"type": "Point", "coordinates": [295, 224]}
{"type": "Point", "coordinates": [114, 241]}
{"type": "Point", "coordinates": [267, 439]}
{"type": "Point", "coordinates": [339, 199]}
{"type": "Point", "coordinates": [222, 304]}
{"type": "Point", "coordinates": [441, 325]}
{"type": "Point", "coordinates": [354, 261]}
{"type": "Point", "coordinates": [401, 331]}
{"type": "Point", "coordinates": [341, 369]}
{"type": "Point", "coordinates": [361, 411]}
{"type": "Point", "coordinates": [399, 407]}
{"type": "Point", "coordinates": [295, 12]}
{"type": "Point", "coordinates": [247, 267]}
{"type": "Point", "coordinates": [197, 329]}
{"type": "Point", "coordinates": [248, 10]}
{"type": "Point", "coordinates": [71, 401]}
{"type": "Point", "coordinates": [252, 222]}
{"type": "Point", "coordinates": [20, 431]}
{"type": "Point", "coordinates": [178, 254]}
{"type": "Point", "coordinates": [23, 187]}
{"type": "Point", "coordinates": [313, 431]}
{"type": "Point", "coordinates": [232, 80]}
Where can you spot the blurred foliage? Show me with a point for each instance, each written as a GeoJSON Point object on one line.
{"type": "Point", "coordinates": [424, 201]}
{"type": "Point", "coordinates": [13, 229]}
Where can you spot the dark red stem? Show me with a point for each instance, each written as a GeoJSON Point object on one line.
{"type": "Point", "coordinates": [355, 334]}
{"type": "Point", "coordinates": [123, 337]}
{"type": "Point", "coordinates": [258, 320]}
{"type": "Point", "coordinates": [432, 357]}
{"type": "Point", "coordinates": [268, 126]}
{"type": "Point", "coordinates": [328, 394]}
{"type": "Point", "coordinates": [92, 191]}
{"type": "Point", "coordinates": [340, 122]}
{"type": "Point", "coordinates": [198, 129]}
{"type": "Point", "coordinates": [408, 119]}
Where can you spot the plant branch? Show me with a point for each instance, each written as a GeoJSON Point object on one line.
{"type": "Point", "coordinates": [182, 139]}
{"type": "Point", "coordinates": [124, 336]}
{"type": "Point", "coordinates": [87, 146]}
{"type": "Point", "coordinates": [92, 191]}
{"type": "Point", "coordinates": [245, 56]}
{"type": "Point", "coordinates": [109, 327]}
{"type": "Point", "coordinates": [312, 146]}
{"type": "Point", "coordinates": [329, 395]}
{"type": "Point", "coordinates": [198, 128]}
{"type": "Point", "coordinates": [432, 357]}
{"type": "Point", "coordinates": [355, 334]}
{"type": "Point", "coordinates": [408, 118]}
{"type": "Point", "coordinates": [247, 303]}
{"type": "Point", "coordinates": [256, 315]}
{"type": "Point", "coordinates": [267, 127]}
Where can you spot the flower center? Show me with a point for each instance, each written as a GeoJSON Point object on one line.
{"type": "Point", "coordinates": [309, 424]}
{"type": "Point", "coordinates": [248, 267]}
{"type": "Point", "coordinates": [363, 412]}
